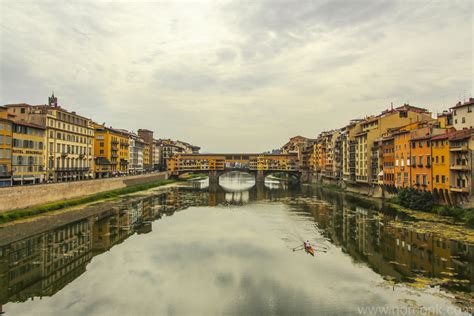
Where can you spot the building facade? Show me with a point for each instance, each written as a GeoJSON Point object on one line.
{"type": "Point", "coordinates": [69, 139]}
{"type": "Point", "coordinates": [28, 153]}
{"type": "Point", "coordinates": [440, 166]}
{"type": "Point", "coordinates": [463, 115]}
{"type": "Point", "coordinates": [137, 146]}
{"type": "Point", "coordinates": [111, 151]}
{"type": "Point", "coordinates": [148, 152]}
{"type": "Point", "coordinates": [461, 148]}
{"type": "Point", "coordinates": [6, 127]}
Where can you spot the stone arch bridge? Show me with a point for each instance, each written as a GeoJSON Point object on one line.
{"type": "Point", "coordinates": [215, 165]}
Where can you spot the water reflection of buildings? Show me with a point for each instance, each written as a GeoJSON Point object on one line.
{"type": "Point", "coordinates": [398, 251]}
{"type": "Point", "coordinates": [41, 257]}
{"type": "Point", "coordinates": [45, 261]}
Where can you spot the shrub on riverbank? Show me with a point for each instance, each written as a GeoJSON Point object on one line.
{"type": "Point", "coordinates": [54, 206]}
{"type": "Point", "coordinates": [415, 200]}
{"type": "Point", "coordinates": [424, 201]}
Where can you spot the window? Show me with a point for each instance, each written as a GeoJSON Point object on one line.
{"type": "Point", "coordinates": [437, 178]}
{"type": "Point", "coordinates": [405, 177]}
{"type": "Point", "coordinates": [436, 159]}
{"type": "Point", "coordinates": [420, 144]}
{"type": "Point", "coordinates": [22, 110]}
{"type": "Point", "coordinates": [9, 154]}
{"type": "Point", "coordinates": [101, 144]}
{"type": "Point", "coordinates": [443, 179]}
{"type": "Point", "coordinates": [463, 120]}
{"type": "Point", "coordinates": [1, 140]}
{"type": "Point", "coordinates": [469, 108]}
{"type": "Point", "coordinates": [424, 179]}
{"type": "Point", "coordinates": [101, 151]}
{"type": "Point", "coordinates": [417, 179]}
{"type": "Point", "coordinates": [420, 160]}
{"type": "Point", "coordinates": [2, 127]}
{"type": "Point", "coordinates": [442, 159]}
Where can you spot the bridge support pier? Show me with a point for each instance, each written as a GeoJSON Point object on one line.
{"type": "Point", "coordinates": [306, 176]}
{"type": "Point", "coordinates": [260, 176]}
{"type": "Point", "coordinates": [214, 177]}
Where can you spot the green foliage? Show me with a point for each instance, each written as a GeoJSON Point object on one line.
{"type": "Point", "coordinates": [416, 200]}
{"type": "Point", "coordinates": [54, 206]}
{"type": "Point", "coordinates": [469, 217]}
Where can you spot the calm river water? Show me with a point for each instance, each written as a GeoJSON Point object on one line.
{"type": "Point", "coordinates": [228, 250]}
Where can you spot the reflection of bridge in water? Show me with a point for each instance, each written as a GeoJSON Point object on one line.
{"type": "Point", "coordinates": [215, 165]}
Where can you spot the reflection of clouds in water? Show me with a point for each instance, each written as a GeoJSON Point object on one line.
{"type": "Point", "coordinates": [274, 184]}
{"type": "Point", "coordinates": [207, 261]}
{"type": "Point", "coordinates": [237, 197]}
{"type": "Point", "coordinates": [236, 181]}
{"type": "Point", "coordinates": [200, 184]}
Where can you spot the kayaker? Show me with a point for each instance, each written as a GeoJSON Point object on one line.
{"type": "Point", "coordinates": [307, 244]}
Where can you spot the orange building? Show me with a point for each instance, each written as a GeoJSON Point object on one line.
{"type": "Point", "coordinates": [440, 166]}
{"type": "Point", "coordinates": [388, 160]}
{"type": "Point", "coordinates": [421, 162]}
{"type": "Point", "coordinates": [421, 156]}
{"type": "Point", "coordinates": [402, 158]}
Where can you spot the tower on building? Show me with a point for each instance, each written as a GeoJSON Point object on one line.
{"type": "Point", "coordinates": [53, 101]}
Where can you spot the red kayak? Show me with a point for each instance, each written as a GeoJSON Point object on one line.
{"type": "Point", "coordinates": [309, 250]}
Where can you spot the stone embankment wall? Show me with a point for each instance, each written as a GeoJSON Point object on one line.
{"type": "Point", "coordinates": [18, 197]}
{"type": "Point", "coordinates": [371, 191]}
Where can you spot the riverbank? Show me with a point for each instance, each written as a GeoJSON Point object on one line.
{"type": "Point", "coordinates": [58, 205]}
{"type": "Point", "coordinates": [21, 197]}
{"type": "Point", "coordinates": [455, 215]}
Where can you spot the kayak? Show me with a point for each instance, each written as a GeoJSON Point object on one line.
{"type": "Point", "coordinates": [309, 250]}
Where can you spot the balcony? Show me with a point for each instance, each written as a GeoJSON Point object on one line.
{"type": "Point", "coordinates": [458, 148]}
{"type": "Point", "coordinates": [114, 156]}
{"type": "Point", "coordinates": [459, 189]}
{"type": "Point", "coordinates": [459, 167]}
{"type": "Point", "coordinates": [114, 148]}
{"type": "Point", "coordinates": [115, 142]}
{"type": "Point", "coordinates": [64, 154]}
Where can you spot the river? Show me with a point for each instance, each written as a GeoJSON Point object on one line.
{"type": "Point", "coordinates": [228, 249]}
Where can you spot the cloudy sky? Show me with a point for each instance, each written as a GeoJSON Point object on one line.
{"type": "Point", "coordinates": [235, 75]}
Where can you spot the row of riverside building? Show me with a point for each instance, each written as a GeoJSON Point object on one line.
{"type": "Point", "coordinates": [47, 143]}
{"type": "Point", "coordinates": [399, 148]}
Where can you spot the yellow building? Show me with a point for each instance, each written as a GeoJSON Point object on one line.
{"type": "Point", "coordinates": [28, 153]}
{"type": "Point", "coordinates": [146, 156]}
{"type": "Point", "coordinates": [440, 166]}
{"type": "Point", "coordinates": [5, 148]}
{"type": "Point", "coordinates": [111, 151]}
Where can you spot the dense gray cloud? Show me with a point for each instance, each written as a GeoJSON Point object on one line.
{"type": "Point", "coordinates": [235, 76]}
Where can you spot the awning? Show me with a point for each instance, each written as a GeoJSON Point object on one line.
{"type": "Point", "coordinates": [380, 174]}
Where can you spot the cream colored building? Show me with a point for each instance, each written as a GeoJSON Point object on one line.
{"type": "Point", "coordinates": [463, 115]}
{"type": "Point", "coordinates": [68, 143]}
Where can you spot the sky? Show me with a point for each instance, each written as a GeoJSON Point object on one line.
{"type": "Point", "coordinates": [236, 76]}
